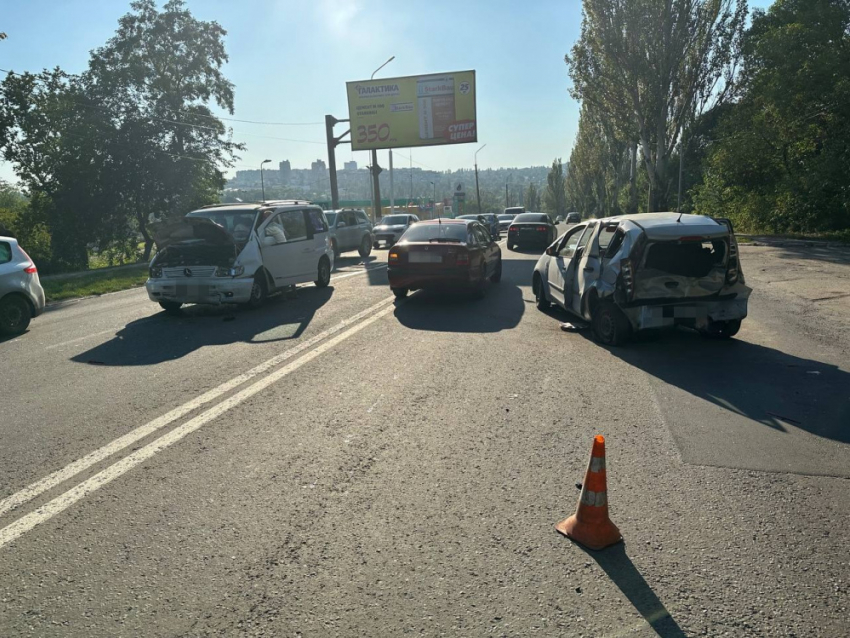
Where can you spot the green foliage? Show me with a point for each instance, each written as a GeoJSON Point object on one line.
{"type": "Point", "coordinates": [94, 283]}
{"type": "Point", "coordinates": [131, 139]}
{"type": "Point", "coordinates": [555, 197]}
{"type": "Point", "coordinates": [780, 161]}
{"type": "Point", "coordinates": [644, 69]}
{"type": "Point", "coordinates": [532, 198]}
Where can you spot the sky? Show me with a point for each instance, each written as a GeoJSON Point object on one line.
{"type": "Point", "coordinates": [290, 60]}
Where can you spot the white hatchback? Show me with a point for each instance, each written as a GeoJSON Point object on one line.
{"type": "Point", "coordinates": [239, 253]}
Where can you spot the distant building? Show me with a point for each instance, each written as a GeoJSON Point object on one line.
{"type": "Point", "coordinates": [285, 171]}
{"type": "Point", "coordinates": [318, 166]}
{"type": "Point", "coordinates": [350, 166]}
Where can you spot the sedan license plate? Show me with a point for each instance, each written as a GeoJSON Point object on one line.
{"type": "Point", "coordinates": [425, 258]}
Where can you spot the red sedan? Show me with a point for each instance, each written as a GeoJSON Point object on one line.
{"type": "Point", "coordinates": [444, 254]}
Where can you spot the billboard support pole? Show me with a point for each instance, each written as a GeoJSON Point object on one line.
{"type": "Point", "coordinates": [477, 191]}
{"type": "Point", "coordinates": [392, 191]}
{"type": "Point", "coordinates": [376, 186]}
{"type": "Point", "coordinates": [333, 142]}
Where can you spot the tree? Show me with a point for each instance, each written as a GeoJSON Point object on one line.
{"type": "Point", "coordinates": [780, 161]}
{"type": "Point", "coordinates": [157, 77]}
{"type": "Point", "coordinates": [555, 198]}
{"type": "Point", "coordinates": [651, 66]}
{"type": "Point", "coordinates": [532, 198]}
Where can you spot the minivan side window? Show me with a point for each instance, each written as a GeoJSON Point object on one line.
{"type": "Point", "coordinates": [317, 221]}
{"type": "Point", "coordinates": [273, 234]}
{"type": "Point", "coordinates": [294, 225]}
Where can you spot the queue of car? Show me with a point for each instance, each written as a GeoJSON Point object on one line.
{"type": "Point", "coordinates": [621, 275]}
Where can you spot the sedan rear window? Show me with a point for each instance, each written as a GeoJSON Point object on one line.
{"type": "Point", "coordinates": [436, 232]}
{"type": "Point", "coordinates": [535, 218]}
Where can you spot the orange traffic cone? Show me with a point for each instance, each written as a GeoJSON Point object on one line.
{"type": "Point", "coordinates": [590, 525]}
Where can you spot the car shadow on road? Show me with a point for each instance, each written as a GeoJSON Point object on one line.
{"type": "Point", "coordinates": [501, 309]}
{"type": "Point", "coordinates": [758, 382]}
{"type": "Point", "coordinates": [810, 252]}
{"type": "Point", "coordinates": [162, 337]}
{"type": "Point", "coordinates": [619, 567]}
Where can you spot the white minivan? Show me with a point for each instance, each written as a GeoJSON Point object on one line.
{"type": "Point", "coordinates": [239, 253]}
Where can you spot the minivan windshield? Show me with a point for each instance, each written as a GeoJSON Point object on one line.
{"type": "Point", "coordinates": [394, 220]}
{"type": "Point", "coordinates": [436, 233]}
{"type": "Point", "coordinates": [236, 221]}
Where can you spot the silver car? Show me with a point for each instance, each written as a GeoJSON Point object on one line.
{"type": "Point", "coordinates": [21, 294]}
{"type": "Point", "coordinates": [390, 229]}
{"type": "Point", "coordinates": [637, 272]}
{"type": "Point", "coordinates": [349, 229]}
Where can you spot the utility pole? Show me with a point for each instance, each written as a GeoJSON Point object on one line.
{"type": "Point", "coordinates": [507, 201]}
{"type": "Point", "coordinates": [681, 163]}
{"type": "Point", "coordinates": [477, 190]}
{"type": "Point", "coordinates": [333, 142]}
{"type": "Point", "coordinates": [263, 181]}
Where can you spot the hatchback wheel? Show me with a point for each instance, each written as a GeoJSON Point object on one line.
{"type": "Point", "coordinates": [324, 273]}
{"type": "Point", "coordinates": [365, 247]}
{"type": "Point", "coordinates": [540, 295]}
{"type": "Point", "coordinates": [15, 315]}
{"type": "Point", "coordinates": [722, 329]}
{"type": "Point", "coordinates": [610, 325]}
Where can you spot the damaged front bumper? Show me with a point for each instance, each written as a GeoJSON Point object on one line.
{"type": "Point", "coordinates": [201, 290]}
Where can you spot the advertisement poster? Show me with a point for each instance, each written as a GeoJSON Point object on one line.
{"type": "Point", "coordinates": [421, 110]}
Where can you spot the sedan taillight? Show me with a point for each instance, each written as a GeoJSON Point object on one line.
{"type": "Point", "coordinates": [462, 259]}
{"type": "Point", "coordinates": [512, 229]}
{"type": "Point", "coordinates": [543, 229]}
{"type": "Point", "coordinates": [393, 257]}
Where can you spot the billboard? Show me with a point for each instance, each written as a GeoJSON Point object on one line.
{"type": "Point", "coordinates": [418, 110]}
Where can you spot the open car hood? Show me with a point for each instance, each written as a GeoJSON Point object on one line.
{"type": "Point", "coordinates": [191, 230]}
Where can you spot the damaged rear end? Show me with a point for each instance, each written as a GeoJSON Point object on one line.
{"type": "Point", "coordinates": [682, 274]}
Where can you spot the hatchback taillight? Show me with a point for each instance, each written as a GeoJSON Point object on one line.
{"type": "Point", "coordinates": [732, 266]}
{"type": "Point", "coordinates": [628, 275]}
{"type": "Point", "coordinates": [31, 269]}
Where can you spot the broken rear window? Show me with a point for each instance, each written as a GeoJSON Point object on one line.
{"type": "Point", "coordinates": [687, 258]}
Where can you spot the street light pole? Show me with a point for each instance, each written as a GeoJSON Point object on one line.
{"type": "Point", "coordinates": [262, 181]}
{"type": "Point", "coordinates": [435, 197]}
{"type": "Point", "coordinates": [376, 170]}
{"type": "Point", "coordinates": [477, 191]}
{"type": "Point", "coordinates": [507, 201]}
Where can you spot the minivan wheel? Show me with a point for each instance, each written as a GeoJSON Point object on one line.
{"type": "Point", "coordinates": [722, 329]}
{"type": "Point", "coordinates": [15, 315]}
{"type": "Point", "coordinates": [259, 292]}
{"type": "Point", "coordinates": [324, 273]}
{"type": "Point", "coordinates": [365, 248]}
{"type": "Point", "coordinates": [610, 326]}
{"type": "Point", "coordinates": [171, 307]}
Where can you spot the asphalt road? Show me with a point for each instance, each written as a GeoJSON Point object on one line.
{"type": "Point", "coordinates": [340, 464]}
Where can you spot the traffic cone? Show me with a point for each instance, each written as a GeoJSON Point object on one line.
{"type": "Point", "coordinates": [590, 525]}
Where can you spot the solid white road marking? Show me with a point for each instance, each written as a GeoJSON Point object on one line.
{"type": "Point", "coordinates": [121, 467]}
{"type": "Point", "coordinates": [52, 480]}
